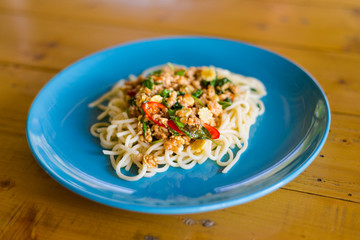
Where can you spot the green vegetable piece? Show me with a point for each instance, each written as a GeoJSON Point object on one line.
{"type": "Point", "coordinates": [208, 135]}
{"type": "Point", "coordinates": [157, 141]}
{"type": "Point", "coordinates": [148, 83]}
{"type": "Point", "coordinates": [165, 93]}
{"type": "Point", "coordinates": [157, 72]}
{"type": "Point", "coordinates": [172, 112]}
{"type": "Point", "coordinates": [198, 101]}
{"type": "Point", "coordinates": [177, 106]}
{"type": "Point", "coordinates": [221, 82]}
{"type": "Point", "coordinates": [180, 73]}
{"type": "Point", "coordinates": [144, 126]}
{"type": "Point", "coordinates": [197, 93]}
{"type": "Point", "coordinates": [174, 132]}
{"type": "Point", "coordinates": [204, 83]}
{"type": "Point", "coordinates": [224, 104]}
{"type": "Point", "coordinates": [132, 102]}
{"type": "Point", "coordinates": [178, 123]}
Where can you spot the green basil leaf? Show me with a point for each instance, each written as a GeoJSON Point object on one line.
{"type": "Point", "coordinates": [172, 112]}
{"type": "Point", "coordinates": [173, 132]}
{"type": "Point", "coordinates": [204, 83]}
{"type": "Point", "coordinates": [148, 83]}
{"type": "Point", "coordinates": [178, 123]}
{"type": "Point", "coordinates": [224, 104]}
{"type": "Point", "coordinates": [157, 141]}
{"type": "Point", "coordinates": [198, 101]}
{"type": "Point", "coordinates": [197, 93]}
{"type": "Point", "coordinates": [177, 106]}
{"type": "Point", "coordinates": [180, 73]}
{"type": "Point", "coordinates": [132, 102]}
{"type": "Point", "coordinates": [165, 93]}
{"type": "Point", "coordinates": [144, 126]}
{"type": "Point", "coordinates": [157, 72]}
{"type": "Point", "coordinates": [221, 82]}
{"type": "Point", "coordinates": [208, 135]}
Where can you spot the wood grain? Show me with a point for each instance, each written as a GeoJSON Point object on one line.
{"type": "Point", "coordinates": [51, 212]}
{"type": "Point", "coordinates": [337, 72]}
{"type": "Point", "coordinates": [273, 22]}
{"type": "Point", "coordinates": [39, 38]}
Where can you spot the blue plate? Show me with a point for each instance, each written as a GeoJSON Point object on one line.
{"type": "Point", "coordinates": [283, 142]}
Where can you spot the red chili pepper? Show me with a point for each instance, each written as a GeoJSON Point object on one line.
{"type": "Point", "coordinates": [131, 93]}
{"type": "Point", "coordinates": [213, 131]}
{"type": "Point", "coordinates": [174, 127]}
{"type": "Point", "coordinates": [154, 107]}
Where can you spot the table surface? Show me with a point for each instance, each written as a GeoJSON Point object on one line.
{"type": "Point", "coordinates": [39, 38]}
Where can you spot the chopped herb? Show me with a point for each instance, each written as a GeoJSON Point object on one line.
{"type": "Point", "coordinates": [158, 83]}
{"type": "Point", "coordinates": [165, 93]}
{"type": "Point", "coordinates": [157, 141]}
{"type": "Point", "coordinates": [177, 122]}
{"type": "Point", "coordinates": [164, 102]}
{"type": "Point", "coordinates": [197, 93]}
{"type": "Point", "coordinates": [180, 73]}
{"type": "Point", "coordinates": [180, 93]}
{"type": "Point", "coordinates": [148, 83]}
{"type": "Point", "coordinates": [132, 102]}
{"type": "Point", "coordinates": [177, 106]}
{"type": "Point", "coordinates": [174, 132]}
{"type": "Point", "coordinates": [144, 126]}
{"type": "Point", "coordinates": [142, 110]}
{"type": "Point", "coordinates": [172, 112]}
{"type": "Point", "coordinates": [215, 83]}
{"type": "Point", "coordinates": [217, 143]}
{"type": "Point", "coordinates": [198, 101]}
{"type": "Point", "coordinates": [204, 83]}
{"type": "Point", "coordinates": [253, 89]}
{"type": "Point", "coordinates": [221, 82]}
{"type": "Point", "coordinates": [208, 135]}
{"type": "Point", "coordinates": [224, 104]}
{"type": "Point", "coordinates": [156, 72]}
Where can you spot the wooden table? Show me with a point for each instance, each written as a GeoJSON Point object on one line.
{"type": "Point", "coordinates": [39, 38]}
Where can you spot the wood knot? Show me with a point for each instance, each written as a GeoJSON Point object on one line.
{"type": "Point", "coordinates": [207, 223]}
{"type": "Point", "coordinates": [189, 221]}
{"type": "Point", "coordinates": [7, 184]}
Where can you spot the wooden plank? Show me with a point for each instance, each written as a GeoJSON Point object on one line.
{"type": "Point", "coordinates": [350, 4]}
{"type": "Point", "coordinates": [302, 26]}
{"type": "Point", "coordinates": [52, 48]}
{"type": "Point", "coordinates": [37, 208]}
{"type": "Point", "coordinates": [55, 43]}
{"type": "Point", "coordinates": [338, 169]}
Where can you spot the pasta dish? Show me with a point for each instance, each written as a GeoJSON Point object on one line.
{"type": "Point", "coordinates": [177, 116]}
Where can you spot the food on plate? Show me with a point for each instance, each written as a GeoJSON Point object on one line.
{"type": "Point", "coordinates": [177, 116]}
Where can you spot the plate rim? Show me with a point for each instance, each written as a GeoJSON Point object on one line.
{"type": "Point", "coordinates": [41, 160]}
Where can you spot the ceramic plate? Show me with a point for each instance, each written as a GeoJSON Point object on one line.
{"type": "Point", "coordinates": [283, 142]}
